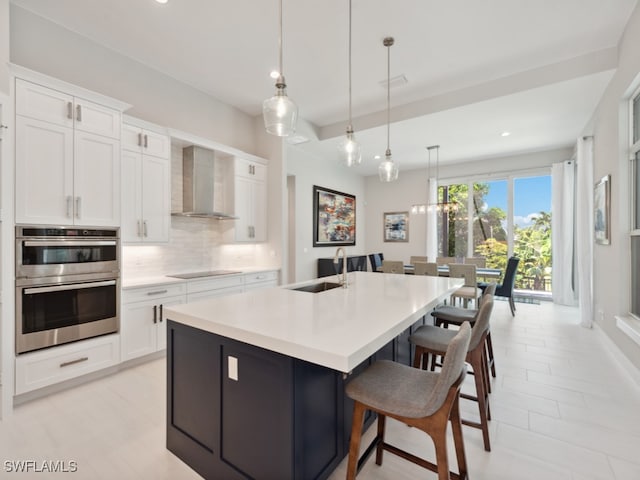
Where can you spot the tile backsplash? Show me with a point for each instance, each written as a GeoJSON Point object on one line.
{"type": "Point", "coordinates": [196, 244]}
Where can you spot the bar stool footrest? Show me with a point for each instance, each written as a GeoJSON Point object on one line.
{"type": "Point", "coordinates": [403, 454]}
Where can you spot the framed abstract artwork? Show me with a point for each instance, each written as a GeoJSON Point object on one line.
{"type": "Point", "coordinates": [602, 210]}
{"type": "Point", "coordinates": [334, 218]}
{"type": "Point", "coordinates": [396, 226]}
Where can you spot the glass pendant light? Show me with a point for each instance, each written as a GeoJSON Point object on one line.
{"type": "Point", "coordinates": [388, 169]}
{"type": "Point", "coordinates": [279, 112]}
{"type": "Point", "coordinates": [349, 147]}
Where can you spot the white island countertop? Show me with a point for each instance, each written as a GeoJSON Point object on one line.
{"type": "Point", "coordinates": [338, 328]}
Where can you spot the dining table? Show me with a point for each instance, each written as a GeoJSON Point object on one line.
{"type": "Point", "coordinates": [443, 271]}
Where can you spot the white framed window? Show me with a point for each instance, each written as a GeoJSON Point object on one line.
{"type": "Point", "coordinates": [634, 157]}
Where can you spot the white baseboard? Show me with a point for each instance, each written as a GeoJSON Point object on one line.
{"type": "Point", "coordinates": [621, 358]}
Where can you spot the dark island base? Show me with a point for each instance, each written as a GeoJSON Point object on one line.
{"type": "Point", "coordinates": [283, 418]}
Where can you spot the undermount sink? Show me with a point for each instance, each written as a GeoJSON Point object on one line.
{"type": "Point", "coordinates": [318, 287]}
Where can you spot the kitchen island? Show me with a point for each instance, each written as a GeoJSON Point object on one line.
{"type": "Point", "coordinates": [255, 381]}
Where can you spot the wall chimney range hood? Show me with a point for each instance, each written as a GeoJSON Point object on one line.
{"type": "Point", "coordinates": [198, 182]}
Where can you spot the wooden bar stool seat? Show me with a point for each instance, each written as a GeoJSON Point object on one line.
{"type": "Point", "coordinates": [421, 399]}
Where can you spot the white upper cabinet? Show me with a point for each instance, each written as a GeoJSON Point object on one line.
{"type": "Point", "coordinates": [49, 105]}
{"type": "Point", "coordinates": [146, 184]}
{"type": "Point", "coordinates": [67, 158]}
{"type": "Point", "coordinates": [250, 200]}
{"type": "Point", "coordinates": [145, 141]}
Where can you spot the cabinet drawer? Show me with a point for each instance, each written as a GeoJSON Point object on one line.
{"type": "Point", "coordinates": [151, 293]}
{"type": "Point", "coordinates": [261, 277]}
{"type": "Point", "coordinates": [219, 292]}
{"type": "Point", "coordinates": [46, 367]}
{"type": "Point", "coordinates": [214, 283]}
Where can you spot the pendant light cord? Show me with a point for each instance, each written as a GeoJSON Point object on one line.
{"type": "Point", "coordinates": [280, 42]}
{"type": "Point", "coordinates": [350, 127]}
{"type": "Point", "coordinates": [388, 43]}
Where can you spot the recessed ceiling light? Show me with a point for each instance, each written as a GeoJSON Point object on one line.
{"type": "Point", "coordinates": [274, 74]}
{"type": "Point", "coordinates": [162, 1]}
{"type": "Point", "coordinates": [505, 134]}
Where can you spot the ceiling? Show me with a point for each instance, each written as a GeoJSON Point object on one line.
{"type": "Point", "coordinates": [474, 69]}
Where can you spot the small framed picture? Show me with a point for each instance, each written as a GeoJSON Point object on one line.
{"type": "Point", "coordinates": [602, 210]}
{"type": "Point", "coordinates": [396, 226]}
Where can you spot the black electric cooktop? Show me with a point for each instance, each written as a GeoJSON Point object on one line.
{"type": "Point", "coordinates": [210, 273]}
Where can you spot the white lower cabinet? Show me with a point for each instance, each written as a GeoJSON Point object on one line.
{"type": "Point", "coordinates": [254, 281]}
{"type": "Point", "coordinates": [143, 330]}
{"type": "Point", "coordinates": [214, 287]}
{"type": "Point", "coordinates": [56, 364]}
{"type": "Point", "coordinates": [142, 325]}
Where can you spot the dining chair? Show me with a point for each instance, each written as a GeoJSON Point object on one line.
{"type": "Point", "coordinates": [392, 266]}
{"type": "Point", "coordinates": [505, 289]}
{"type": "Point", "coordinates": [421, 399]}
{"type": "Point", "coordinates": [470, 290]}
{"type": "Point", "coordinates": [431, 341]}
{"type": "Point", "coordinates": [414, 259]}
{"type": "Point", "coordinates": [479, 262]}
{"type": "Point", "coordinates": [445, 315]}
{"type": "Point", "coordinates": [376, 261]}
{"type": "Point", "coordinates": [425, 268]}
{"type": "Point", "coordinates": [445, 260]}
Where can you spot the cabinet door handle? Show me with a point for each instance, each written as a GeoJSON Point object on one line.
{"type": "Point", "coordinates": [78, 113]}
{"type": "Point", "coordinates": [78, 206]}
{"type": "Point", "coordinates": [146, 141]}
{"type": "Point", "coordinates": [144, 228]}
{"type": "Point", "coordinates": [69, 110]}
{"type": "Point", "coordinates": [155, 314]}
{"type": "Point", "coordinates": [139, 139]}
{"type": "Point", "coordinates": [69, 206]}
{"type": "Point", "coordinates": [139, 225]}
{"type": "Point", "coordinates": [160, 313]}
{"type": "Point", "coordinates": [73, 362]}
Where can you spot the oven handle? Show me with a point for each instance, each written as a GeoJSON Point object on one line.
{"type": "Point", "coordinates": [73, 243]}
{"type": "Point", "coordinates": [73, 286]}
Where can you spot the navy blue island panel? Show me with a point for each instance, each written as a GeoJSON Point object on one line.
{"type": "Point", "coordinates": [283, 418]}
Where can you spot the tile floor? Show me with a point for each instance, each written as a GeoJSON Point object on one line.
{"type": "Point", "coordinates": [563, 409]}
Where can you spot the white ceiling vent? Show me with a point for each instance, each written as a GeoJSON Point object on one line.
{"type": "Point", "coordinates": [397, 81]}
{"type": "Point", "coordinates": [297, 139]}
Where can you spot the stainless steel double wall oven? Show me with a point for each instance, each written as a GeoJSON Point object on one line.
{"type": "Point", "coordinates": [67, 284]}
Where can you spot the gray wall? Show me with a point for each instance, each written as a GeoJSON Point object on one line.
{"type": "Point", "coordinates": [4, 46]}
{"type": "Point", "coordinates": [610, 130]}
{"type": "Point", "coordinates": [328, 173]}
{"type": "Point", "coordinates": [38, 44]}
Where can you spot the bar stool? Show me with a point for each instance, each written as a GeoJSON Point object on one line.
{"type": "Point", "coordinates": [421, 399]}
{"type": "Point", "coordinates": [446, 315]}
{"type": "Point", "coordinates": [435, 341]}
